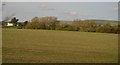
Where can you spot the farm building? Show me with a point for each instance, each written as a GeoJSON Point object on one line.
{"type": "Point", "coordinates": [9, 24]}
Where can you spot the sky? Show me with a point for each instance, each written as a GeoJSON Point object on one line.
{"type": "Point", "coordinates": [62, 10]}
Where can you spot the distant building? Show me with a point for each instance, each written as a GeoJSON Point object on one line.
{"type": "Point", "coordinates": [9, 24]}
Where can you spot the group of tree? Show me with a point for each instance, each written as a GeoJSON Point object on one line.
{"type": "Point", "coordinates": [43, 23]}
{"type": "Point", "coordinates": [14, 21]}
{"type": "Point", "coordinates": [52, 23]}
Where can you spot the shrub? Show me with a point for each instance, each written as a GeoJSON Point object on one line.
{"type": "Point", "coordinates": [19, 27]}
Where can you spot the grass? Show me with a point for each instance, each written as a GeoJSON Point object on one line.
{"type": "Point", "coordinates": [10, 27]}
{"type": "Point", "coordinates": [49, 46]}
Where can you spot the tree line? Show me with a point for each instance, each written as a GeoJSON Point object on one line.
{"type": "Point", "coordinates": [52, 23]}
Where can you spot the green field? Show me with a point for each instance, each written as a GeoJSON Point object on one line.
{"type": "Point", "coordinates": [12, 27]}
{"type": "Point", "coordinates": [50, 46]}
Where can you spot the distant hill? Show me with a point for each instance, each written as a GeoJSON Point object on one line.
{"type": "Point", "coordinates": [112, 22]}
{"type": "Point", "coordinates": [103, 20]}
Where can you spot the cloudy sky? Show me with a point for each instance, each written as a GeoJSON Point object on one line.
{"type": "Point", "coordinates": [62, 10]}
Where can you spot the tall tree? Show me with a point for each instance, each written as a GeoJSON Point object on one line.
{"type": "Point", "coordinates": [25, 23]}
{"type": "Point", "coordinates": [14, 21]}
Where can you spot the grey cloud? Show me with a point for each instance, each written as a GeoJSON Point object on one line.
{"type": "Point", "coordinates": [63, 10]}
{"type": "Point", "coordinates": [8, 16]}
{"type": "Point", "coordinates": [45, 7]}
{"type": "Point", "coordinates": [71, 13]}
{"type": "Point", "coordinates": [115, 9]}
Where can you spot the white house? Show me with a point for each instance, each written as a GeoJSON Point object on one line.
{"type": "Point", "coordinates": [9, 24]}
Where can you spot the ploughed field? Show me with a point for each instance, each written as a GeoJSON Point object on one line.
{"type": "Point", "coordinates": [50, 46]}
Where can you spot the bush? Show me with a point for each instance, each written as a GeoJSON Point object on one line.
{"type": "Point", "coordinates": [19, 27]}
{"type": "Point", "coordinates": [51, 23]}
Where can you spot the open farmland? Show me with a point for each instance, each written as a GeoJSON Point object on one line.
{"type": "Point", "coordinates": [50, 46]}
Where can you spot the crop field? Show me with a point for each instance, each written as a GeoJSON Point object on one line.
{"type": "Point", "coordinates": [50, 46]}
